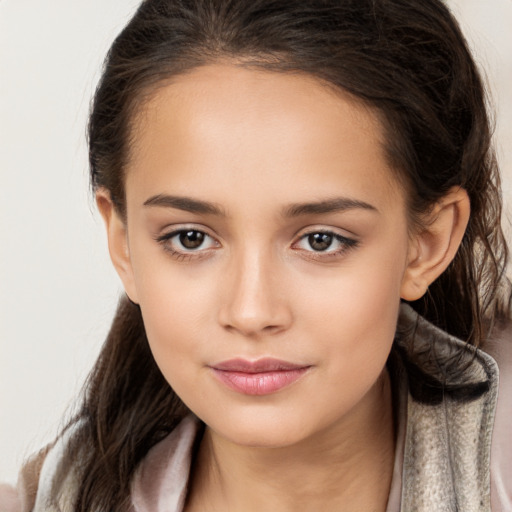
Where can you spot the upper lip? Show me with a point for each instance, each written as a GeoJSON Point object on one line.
{"type": "Point", "coordinates": [266, 364]}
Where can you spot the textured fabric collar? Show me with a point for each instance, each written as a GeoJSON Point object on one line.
{"type": "Point", "coordinates": [446, 464]}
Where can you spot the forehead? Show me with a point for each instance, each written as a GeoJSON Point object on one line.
{"type": "Point", "coordinates": [225, 128]}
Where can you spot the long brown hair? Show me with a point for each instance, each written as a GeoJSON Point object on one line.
{"type": "Point", "coordinates": [407, 59]}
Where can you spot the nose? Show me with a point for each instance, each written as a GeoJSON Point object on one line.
{"type": "Point", "coordinates": [254, 298]}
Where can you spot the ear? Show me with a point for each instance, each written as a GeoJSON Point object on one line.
{"type": "Point", "coordinates": [117, 237]}
{"type": "Point", "coordinates": [433, 247]}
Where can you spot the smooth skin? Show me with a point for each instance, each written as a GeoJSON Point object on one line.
{"type": "Point", "coordinates": [263, 220]}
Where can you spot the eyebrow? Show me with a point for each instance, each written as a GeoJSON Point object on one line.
{"type": "Point", "coordinates": [185, 203]}
{"type": "Point", "coordinates": [334, 205]}
{"type": "Point", "coordinates": [188, 204]}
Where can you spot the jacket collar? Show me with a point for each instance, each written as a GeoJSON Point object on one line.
{"type": "Point", "coordinates": [449, 419]}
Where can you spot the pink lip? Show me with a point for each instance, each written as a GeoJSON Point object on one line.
{"type": "Point", "coordinates": [260, 377]}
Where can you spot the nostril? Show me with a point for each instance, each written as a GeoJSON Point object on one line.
{"type": "Point", "coordinates": [272, 328]}
{"type": "Point", "coordinates": [254, 327]}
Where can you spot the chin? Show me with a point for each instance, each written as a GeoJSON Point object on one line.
{"type": "Point", "coordinates": [264, 438]}
{"type": "Point", "coordinates": [260, 430]}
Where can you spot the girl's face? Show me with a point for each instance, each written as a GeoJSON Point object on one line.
{"type": "Point", "coordinates": [267, 244]}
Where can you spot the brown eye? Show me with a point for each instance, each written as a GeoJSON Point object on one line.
{"type": "Point", "coordinates": [324, 244]}
{"type": "Point", "coordinates": [187, 242]}
{"type": "Point", "coordinates": [320, 241]}
{"type": "Point", "coordinates": [191, 239]}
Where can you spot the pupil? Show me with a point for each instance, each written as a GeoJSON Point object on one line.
{"type": "Point", "coordinates": [191, 239]}
{"type": "Point", "coordinates": [320, 241]}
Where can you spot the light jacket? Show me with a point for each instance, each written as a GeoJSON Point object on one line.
{"type": "Point", "coordinates": [452, 454]}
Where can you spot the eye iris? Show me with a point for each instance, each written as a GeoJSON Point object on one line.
{"type": "Point", "coordinates": [320, 241]}
{"type": "Point", "coordinates": [191, 239]}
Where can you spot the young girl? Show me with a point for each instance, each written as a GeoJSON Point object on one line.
{"type": "Point", "coordinates": [303, 206]}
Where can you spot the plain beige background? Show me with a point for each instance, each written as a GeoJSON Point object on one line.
{"type": "Point", "coordinates": [57, 289]}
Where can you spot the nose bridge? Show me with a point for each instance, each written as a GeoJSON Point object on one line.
{"type": "Point", "coordinates": [254, 300]}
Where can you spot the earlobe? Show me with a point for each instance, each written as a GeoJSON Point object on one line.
{"type": "Point", "coordinates": [117, 241]}
{"type": "Point", "coordinates": [433, 248]}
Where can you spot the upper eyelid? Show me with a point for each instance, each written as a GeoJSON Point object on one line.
{"type": "Point", "coordinates": [338, 232]}
{"type": "Point", "coordinates": [169, 231]}
{"type": "Point", "coordinates": [337, 236]}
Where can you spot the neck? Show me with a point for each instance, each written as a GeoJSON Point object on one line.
{"type": "Point", "coordinates": [347, 466]}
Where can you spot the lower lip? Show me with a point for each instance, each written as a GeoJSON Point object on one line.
{"type": "Point", "coordinates": [262, 383]}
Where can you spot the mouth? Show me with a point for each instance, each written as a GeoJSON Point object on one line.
{"type": "Point", "coordinates": [261, 377]}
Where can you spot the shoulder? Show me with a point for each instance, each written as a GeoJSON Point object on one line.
{"type": "Point", "coordinates": [46, 482]}
{"type": "Point", "coordinates": [500, 348]}
{"type": "Point", "coordinates": [9, 499]}
{"type": "Point", "coordinates": [452, 415]}
{"type": "Point", "coordinates": [22, 497]}
{"type": "Point", "coordinates": [43, 482]}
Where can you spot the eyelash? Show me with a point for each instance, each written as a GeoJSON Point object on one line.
{"type": "Point", "coordinates": [347, 244]}
{"type": "Point", "coordinates": [182, 255]}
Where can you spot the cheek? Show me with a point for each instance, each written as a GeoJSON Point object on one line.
{"type": "Point", "coordinates": [363, 291]}
{"type": "Point", "coordinates": [172, 320]}
{"type": "Point", "coordinates": [176, 301]}
{"type": "Point", "coordinates": [175, 308]}
{"type": "Point", "coordinates": [352, 326]}
{"type": "Point", "coordinates": [354, 309]}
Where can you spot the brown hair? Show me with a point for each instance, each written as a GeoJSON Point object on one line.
{"type": "Point", "coordinates": [407, 59]}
